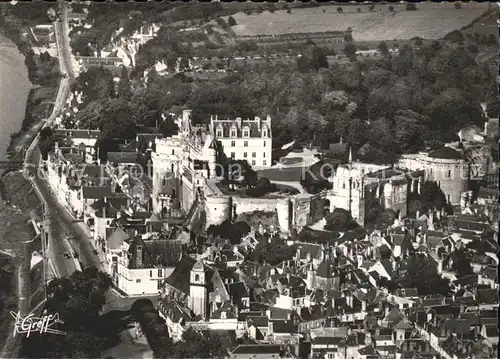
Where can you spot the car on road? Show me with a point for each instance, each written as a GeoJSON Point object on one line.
{"type": "Point", "coordinates": [67, 255]}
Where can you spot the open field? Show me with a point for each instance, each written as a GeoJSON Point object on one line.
{"type": "Point", "coordinates": [429, 21]}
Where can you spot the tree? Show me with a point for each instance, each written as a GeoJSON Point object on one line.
{"type": "Point", "coordinates": [411, 7]}
{"type": "Point", "coordinates": [340, 220]}
{"type": "Point", "coordinates": [105, 144]}
{"type": "Point", "coordinates": [391, 8]}
{"type": "Point", "coordinates": [168, 127]}
{"type": "Point", "coordinates": [419, 272]}
{"type": "Point", "coordinates": [124, 89]}
{"type": "Point", "coordinates": [383, 48]}
{"type": "Point", "coordinates": [350, 50]}
{"type": "Point", "coordinates": [340, 10]}
{"type": "Point", "coordinates": [231, 21]}
{"type": "Point", "coordinates": [46, 142]}
{"type": "Point", "coordinates": [78, 300]}
{"type": "Point", "coordinates": [358, 9]}
{"type": "Point", "coordinates": [410, 130]}
{"type": "Point", "coordinates": [455, 36]}
{"type": "Point", "coordinates": [272, 252]}
{"type": "Point", "coordinates": [118, 119]}
{"type": "Point", "coordinates": [493, 109]}
{"type": "Point", "coordinates": [196, 345]}
{"type": "Point", "coordinates": [46, 146]}
{"type": "Point", "coordinates": [461, 262]}
{"type": "Point", "coordinates": [232, 231]}
{"type": "Point", "coordinates": [431, 197]}
{"type": "Point", "coordinates": [472, 48]}
{"type": "Point", "coordinates": [313, 58]}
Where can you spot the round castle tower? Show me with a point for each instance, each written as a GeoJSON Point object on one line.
{"type": "Point", "coordinates": [218, 209]}
{"type": "Point", "coordinates": [285, 213]}
{"type": "Point", "coordinates": [448, 168]}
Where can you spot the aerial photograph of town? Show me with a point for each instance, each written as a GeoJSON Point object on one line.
{"type": "Point", "coordinates": [249, 180]}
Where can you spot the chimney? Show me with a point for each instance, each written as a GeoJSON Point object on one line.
{"type": "Point", "coordinates": [56, 146]}
{"type": "Point", "coordinates": [138, 260]}
{"type": "Point", "coordinates": [417, 215]}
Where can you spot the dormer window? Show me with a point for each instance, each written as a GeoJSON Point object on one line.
{"type": "Point", "coordinates": [264, 132]}
{"type": "Point", "coordinates": [246, 132]}
{"type": "Point", "coordinates": [233, 133]}
{"type": "Point", "coordinates": [219, 133]}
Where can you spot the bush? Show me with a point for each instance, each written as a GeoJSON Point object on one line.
{"type": "Point", "coordinates": [340, 10]}
{"type": "Point", "coordinates": [232, 231]}
{"type": "Point", "coordinates": [383, 48]}
{"type": "Point", "coordinates": [340, 220]}
{"type": "Point", "coordinates": [255, 192]}
{"type": "Point", "coordinates": [359, 9]}
{"type": "Point", "coordinates": [411, 7]}
{"type": "Point", "coordinates": [231, 21]}
{"type": "Point", "coordinates": [458, 5]}
{"type": "Point", "coordinates": [263, 183]}
{"type": "Point", "coordinates": [472, 48]}
{"type": "Point", "coordinates": [391, 8]}
{"type": "Point", "coordinates": [455, 36]}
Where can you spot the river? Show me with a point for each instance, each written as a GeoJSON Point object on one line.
{"type": "Point", "coordinates": [14, 90]}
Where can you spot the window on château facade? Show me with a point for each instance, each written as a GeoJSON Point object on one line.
{"type": "Point", "coordinates": [246, 133]}
{"type": "Point", "coordinates": [264, 143]}
{"type": "Point", "coordinates": [160, 273]}
{"type": "Point", "coordinates": [254, 154]}
{"type": "Point", "coordinates": [233, 155]}
{"type": "Point", "coordinates": [253, 162]}
{"type": "Point", "coordinates": [245, 143]}
{"type": "Point", "coordinates": [233, 133]}
{"type": "Point", "coordinates": [219, 133]}
{"type": "Point", "coordinates": [244, 155]}
{"type": "Point", "coordinates": [197, 278]}
{"type": "Point", "coordinates": [264, 155]}
{"type": "Point", "coordinates": [233, 143]}
{"type": "Point", "coordinates": [264, 163]}
{"type": "Point", "coordinates": [264, 133]}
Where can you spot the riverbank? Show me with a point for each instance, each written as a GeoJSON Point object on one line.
{"type": "Point", "coordinates": [15, 230]}
{"type": "Point", "coordinates": [35, 101]}
{"type": "Point", "coordinates": [21, 202]}
{"type": "Point", "coordinates": [38, 107]}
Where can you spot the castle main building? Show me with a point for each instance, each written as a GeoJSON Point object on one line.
{"type": "Point", "coordinates": [249, 140]}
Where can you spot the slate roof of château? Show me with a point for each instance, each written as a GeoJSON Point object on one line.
{"type": "Point", "coordinates": [446, 152]}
